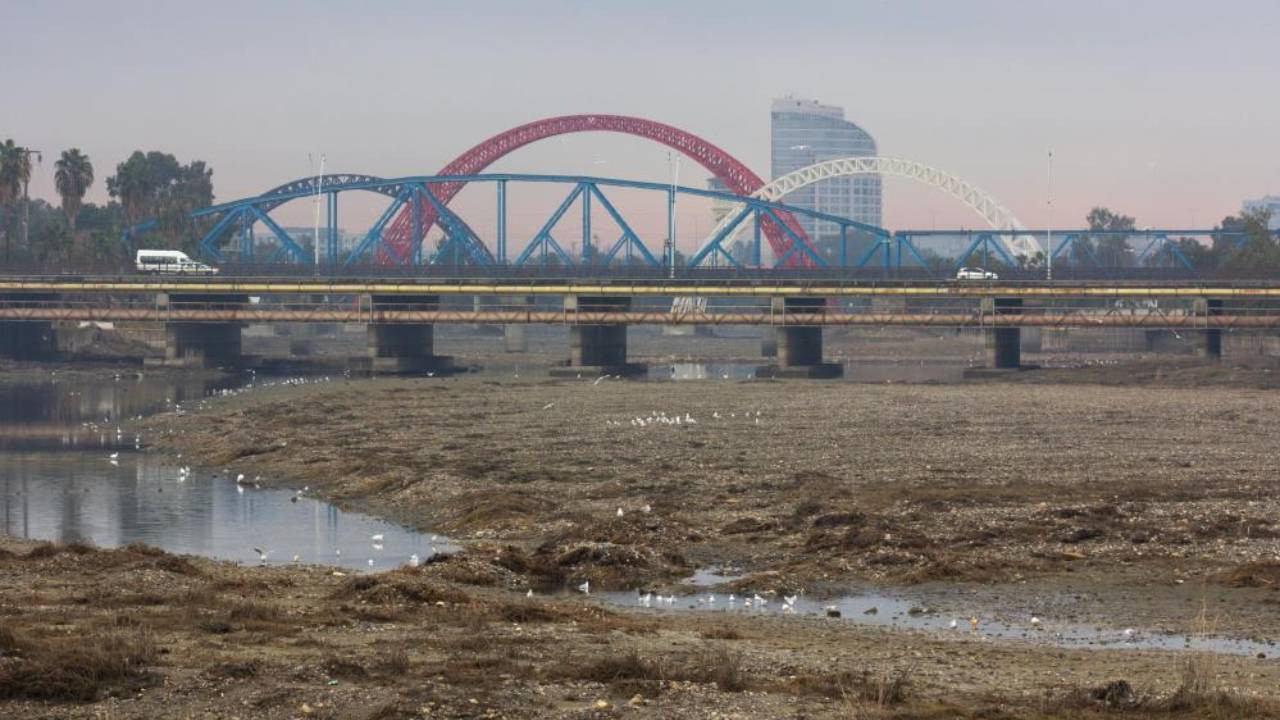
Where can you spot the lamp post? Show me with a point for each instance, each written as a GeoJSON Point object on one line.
{"type": "Point", "coordinates": [1049, 231]}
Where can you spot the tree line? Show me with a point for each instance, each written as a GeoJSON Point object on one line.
{"type": "Point", "coordinates": [146, 185]}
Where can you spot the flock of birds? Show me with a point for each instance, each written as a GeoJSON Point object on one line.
{"type": "Point", "coordinates": [376, 542]}
{"type": "Point", "coordinates": [660, 417]}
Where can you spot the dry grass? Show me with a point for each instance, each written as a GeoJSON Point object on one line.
{"type": "Point", "coordinates": [77, 668]}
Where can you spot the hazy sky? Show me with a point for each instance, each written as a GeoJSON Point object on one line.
{"type": "Point", "coordinates": [1168, 110]}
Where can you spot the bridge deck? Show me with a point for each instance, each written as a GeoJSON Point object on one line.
{"type": "Point", "coordinates": [731, 287]}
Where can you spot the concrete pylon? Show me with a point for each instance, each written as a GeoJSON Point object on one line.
{"type": "Point", "coordinates": [200, 344]}
{"type": "Point", "coordinates": [597, 348]}
{"type": "Point", "coordinates": [799, 346]}
{"type": "Point", "coordinates": [515, 336]}
{"type": "Point", "coordinates": [403, 347]}
{"type": "Point", "coordinates": [1003, 344]}
{"type": "Point", "coordinates": [1210, 345]}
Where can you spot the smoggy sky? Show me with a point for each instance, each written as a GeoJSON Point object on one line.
{"type": "Point", "coordinates": [1168, 110]}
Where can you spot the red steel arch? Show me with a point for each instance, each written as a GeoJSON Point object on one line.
{"type": "Point", "coordinates": [736, 176]}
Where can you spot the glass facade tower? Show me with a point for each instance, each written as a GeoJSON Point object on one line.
{"type": "Point", "coordinates": [805, 132]}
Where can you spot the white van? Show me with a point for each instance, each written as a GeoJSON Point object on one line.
{"type": "Point", "coordinates": [172, 262]}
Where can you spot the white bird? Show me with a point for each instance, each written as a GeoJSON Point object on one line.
{"type": "Point", "coordinates": [114, 462]}
{"type": "Point", "coordinates": [376, 538]}
{"type": "Point", "coordinates": [529, 593]}
{"type": "Point", "coordinates": [1128, 634]}
{"type": "Point", "coordinates": [377, 546]}
{"type": "Point", "coordinates": [789, 600]}
{"type": "Point", "coordinates": [240, 489]}
{"type": "Point", "coordinates": [548, 406]}
{"type": "Point", "coordinates": [297, 558]}
{"type": "Point", "coordinates": [619, 512]}
{"type": "Point", "coordinates": [262, 554]}
{"type": "Point", "coordinates": [240, 478]}
{"type": "Point", "coordinates": [711, 599]}
{"type": "Point", "coordinates": [370, 562]}
{"type": "Point", "coordinates": [597, 382]}
{"type": "Point", "coordinates": [953, 624]}
{"type": "Point", "coordinates": [413, 560]}
{"type": "Point", "coordinates": [1035, 621]}
{"type": "Point", "coordinates": [760, 602]}
{"type": "Point", "coordinates": [114, 455]}
{"type": "Point", "coordinates": [646, 508]}
{"type": "Point", "coordinates": [585, 587]}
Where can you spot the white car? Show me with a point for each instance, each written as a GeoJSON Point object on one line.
{"type": "Point", "coordinates": [968, 273]}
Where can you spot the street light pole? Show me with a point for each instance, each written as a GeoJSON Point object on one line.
{"type": "Point", "coordinates": [1049, 231]}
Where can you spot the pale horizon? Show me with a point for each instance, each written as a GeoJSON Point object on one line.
{"type": "Point", "coordinates": [1160, 110]}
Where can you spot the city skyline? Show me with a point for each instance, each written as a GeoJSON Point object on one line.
{"type": "Point", "coordinates": [1157, 135]}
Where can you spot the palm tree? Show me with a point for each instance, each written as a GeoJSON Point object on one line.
{"type": "Point", "coordinates": [73, 176]}
{"type": "Point", "coordinates": [15, 172]}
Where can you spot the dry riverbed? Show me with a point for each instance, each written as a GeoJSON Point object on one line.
{"type": "Point", "coordinates": [1152, 506]}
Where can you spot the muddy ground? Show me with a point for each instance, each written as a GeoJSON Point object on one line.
{"type": "Point", "coordinates": [136, 633]}
{"type": "Point", "coordinates": [1149, 504]}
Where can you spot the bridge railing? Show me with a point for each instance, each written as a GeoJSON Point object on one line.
{"type": "Point", "coordinates": [638, 273]}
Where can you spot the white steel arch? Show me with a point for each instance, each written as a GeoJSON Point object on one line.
{"type": "Point", "coordinates": [996, 215]}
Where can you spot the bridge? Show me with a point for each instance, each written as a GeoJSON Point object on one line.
{"type": "Point", "coordinates": [203, 316]}
{"type": "Point", "coordinates": [400, 286]}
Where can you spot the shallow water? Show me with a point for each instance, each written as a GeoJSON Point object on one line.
{"type": "Point", "coordinates": [59, 482]}
{"type": "Point", "coordinates": [900, 612]}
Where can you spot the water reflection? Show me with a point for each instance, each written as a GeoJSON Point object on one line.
{"type": "Point", "coordinates": [59, 482]}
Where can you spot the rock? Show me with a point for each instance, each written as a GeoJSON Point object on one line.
{"type": "Point", "coordinates": [871, 610]}
{"type": "Point", "coordinates": [636, 701]}
{"type": "Point", "coordinates": [306, 709]}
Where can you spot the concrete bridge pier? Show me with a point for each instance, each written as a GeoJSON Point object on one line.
{"type": "Point", "coordinates": [403, 347]}
{"type": "Point", "coordinates": [1210, 345]}
{"type": "Point", "coordinates": [200, 344]}
{"type": "Point", "coordinates": [515, 336]}
{"type": "Point", "coordinates": [28, 340]}
{"type": "Point", "coordinates": [768, 341]}
{"type": "Point", "coordinates": [1003, 344]}
{"type": "Point", "coordinates": [597, 348]}
{"type": "Point", "coordinates": [799, 347]}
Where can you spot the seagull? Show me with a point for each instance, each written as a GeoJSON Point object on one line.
{"type": "Point", "coordinates": [953, 624]}
{"type": "Point", "coordinates": [240, 478]}
{"type": "Point", "coordinates": [262, 554]}
{"type": "Point", "coordinates": [377, 546]}
{"type": "Point", "coordinates": [1128, 635]}
{"type": "Point", "coordinates": [370, 562]}
{"type": "Point", "coordinates": [597, 382]}
{"type": "Point", "coordinates": [114, 455]}
{"type": "Point", "coordinates": [549, 405]}
{"type": "Point", "coordinates": [529, 593]}
{"type": "Point", "coordinates": [297, 558]}
{"type": "Point", "coordinates": [585, 587]}
{"type": "Point", "coordinates": [240, 489]}
{"type": "Point", "coordinates": [646, 508]}
{"type": "Point", "coordinates": [376, 538]}
{"type": "Point", "coordinates": [619, 512]}
{"type": "Point", "coordinates": [413, 560]}
{"type": "Point", "coordinates": [789, 600]}
{"type": "Point", "coordinates": [1035, 621]}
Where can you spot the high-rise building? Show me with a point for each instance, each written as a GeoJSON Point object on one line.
{"type": "Point", "coordinates": [806, 132]}
{"type": "Point", "coordinates": [1270, 202]}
